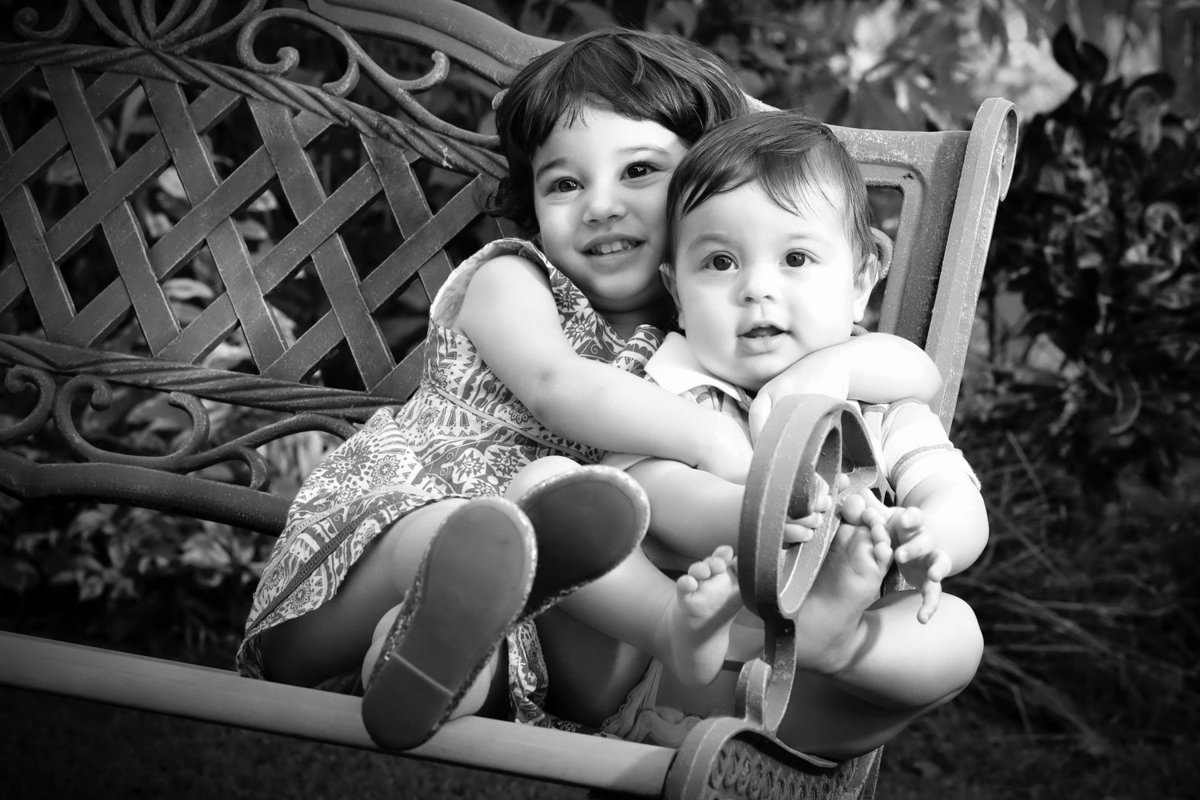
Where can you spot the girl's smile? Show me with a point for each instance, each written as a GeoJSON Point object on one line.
{"type": "Point", "coordinates": [600, 193]}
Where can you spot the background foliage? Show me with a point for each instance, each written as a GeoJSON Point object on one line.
{"type": "Point", "coordinates": [1077, 409]}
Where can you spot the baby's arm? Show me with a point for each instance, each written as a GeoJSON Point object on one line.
{"type": "Point", "coordinates": [939, 530]}
{"type": "Point", "coordinates": [873, 368]}
{"type": "Point", "coordinates": [953, 521]}
{"type": "Point", "coordinates": [510, 316]}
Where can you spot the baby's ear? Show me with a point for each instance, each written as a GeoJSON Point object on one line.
{"type": "Point", "coordinates": [876, 263]}
{"type": "Point", "coordinates": [879, 260]}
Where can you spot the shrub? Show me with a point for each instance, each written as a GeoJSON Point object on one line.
{"type": "Point", "coordinates": [1080, 405]}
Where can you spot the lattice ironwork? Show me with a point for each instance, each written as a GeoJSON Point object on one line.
{"type": "Point", "coordinates": [185, 102]}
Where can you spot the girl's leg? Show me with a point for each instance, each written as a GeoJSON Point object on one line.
{"type": "Point", "coordinates": [592, 672]}
{"type": "Point", "coordinates": [471, 586]}
{"type": "Point", "coordinates": [333, 639]}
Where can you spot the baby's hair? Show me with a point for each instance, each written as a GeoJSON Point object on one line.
{"type": "Point", "coordinates": [643, 76]}
{"type": "Point", "coordinates": [795, 159]}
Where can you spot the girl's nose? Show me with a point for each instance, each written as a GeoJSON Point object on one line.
{"type": "Point", "coordinates": [604, 203]}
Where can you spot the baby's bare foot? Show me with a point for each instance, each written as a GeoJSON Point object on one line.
{"type": "Point", "coordinates": [706, 601]}
{"type": "Point", "coordinates": [829, 625]}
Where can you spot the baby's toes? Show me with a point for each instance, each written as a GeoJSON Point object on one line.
{"type": "Point", "coordinates": [853, 508]}
{"type": "Point", "coordinates": [881, 552]}
{"type": "Point", "coordinates": [724, 552]}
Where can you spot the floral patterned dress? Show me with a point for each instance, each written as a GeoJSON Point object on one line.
{"type": "Point", "coordinates": [462, 434]}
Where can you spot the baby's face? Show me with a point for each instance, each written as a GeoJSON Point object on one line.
{"type": "Point", "coordinates": [759, 287]}
{"type": "Point", "coordinates": [600, 195]}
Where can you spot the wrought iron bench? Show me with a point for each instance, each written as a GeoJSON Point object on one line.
{"type": "Point", "coordinates": [90, 299]}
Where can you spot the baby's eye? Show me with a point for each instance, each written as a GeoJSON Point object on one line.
{"type": "Point", "coordinates": [796, 259]}
{"type": "Point", "coordinates": [721, 263]}
{"type": "Point", "coordinates": [640, 170]}
{"type": "Point", "coordinates": [564, 185]}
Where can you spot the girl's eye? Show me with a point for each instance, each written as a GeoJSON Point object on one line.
{"type": "Point", "coordinates": [720, 263]}
{"type": "Point", "coordinates": [564, 185]}
{"type": "Point", "coordinates": [796, 259]}
{"type": "Point", "coordinates": [639, 170]}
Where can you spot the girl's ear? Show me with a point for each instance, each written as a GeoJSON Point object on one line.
{"type": "Point", "coordinates": [876, 264]}
{"type": "Point", "coordinates": [667, 273]}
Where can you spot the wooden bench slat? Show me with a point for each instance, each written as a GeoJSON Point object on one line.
{"type": "Point", "coordinates": [224, 697]}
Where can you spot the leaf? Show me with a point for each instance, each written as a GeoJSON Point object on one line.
{"type": "Point", "coordinates": [64, 171]}
{"type": "Point", "coordinates": [170, 183]}
{"type": "Point", "coordinates": [264, 202]}
{"type": "Point", "coordinates": [187, 289]}
{"type": "Point", "coordinates": [992, 27]}
{"type": "Point", "coordinates": [252, 230]}
{"type": "Point", "coordinates": [17, 575]}
{"type": "Point", "coordinates": [1085, 62]}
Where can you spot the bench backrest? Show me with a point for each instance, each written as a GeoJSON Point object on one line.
{"type": "Point", "coordinates": [114, 205]}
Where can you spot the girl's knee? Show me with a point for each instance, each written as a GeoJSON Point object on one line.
{"type": "Point", "coordinates": [537, 471]}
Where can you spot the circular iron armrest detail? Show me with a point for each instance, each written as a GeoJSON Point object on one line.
{"type": "Point", "coordinates": [808, 441]}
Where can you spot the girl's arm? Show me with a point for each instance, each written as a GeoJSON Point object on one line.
{"type": "Point", "coordinates": [873, 368]}
{"type": "Point", "coordinates": [510, 316]}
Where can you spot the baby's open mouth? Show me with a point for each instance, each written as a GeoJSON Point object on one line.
{"type": "Point", "coordinates": [606, 248]}
{"type": "Point", "coordinates": [762, 331]}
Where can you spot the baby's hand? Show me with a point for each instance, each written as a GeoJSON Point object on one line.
{"type": "Point", "coordinates": [920, 562]}
{"type": "Point", "coordinates": [727, 452]}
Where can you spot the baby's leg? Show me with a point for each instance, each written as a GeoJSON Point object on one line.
{"type": "Point", "coordinates": [831, 625]}
{"type": "Point", "coordinates": [685, 625]}
{"type": "Point", "coordinates": [906, 670]}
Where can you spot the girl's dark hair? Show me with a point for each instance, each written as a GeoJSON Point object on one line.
{"type": "Point", "coordinates": [792, 157]}
{"type": "Point", "coordinates": [643, 76]}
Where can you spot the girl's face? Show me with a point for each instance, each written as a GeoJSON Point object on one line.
{"type": "Point", "coordinates": [600, 196]}
{"type": "Point", "coordinates": [760, 287]}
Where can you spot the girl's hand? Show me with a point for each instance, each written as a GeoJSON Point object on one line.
{"type": "Point", "coordinates": [817, 373]}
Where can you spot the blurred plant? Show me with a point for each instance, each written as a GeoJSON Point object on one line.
{"type": "Point", "coordinates": [1080, 403]}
